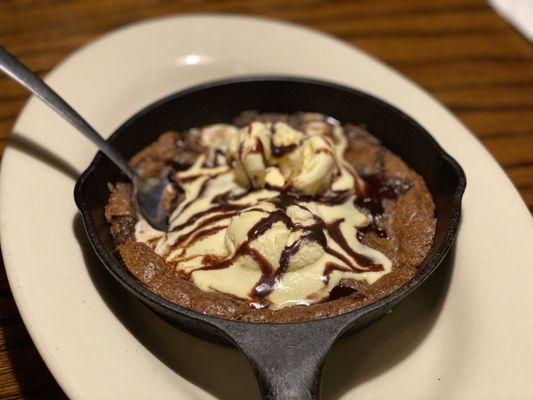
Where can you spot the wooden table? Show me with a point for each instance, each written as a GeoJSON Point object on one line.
{"type": "Point", "coordinates": [459, 50]}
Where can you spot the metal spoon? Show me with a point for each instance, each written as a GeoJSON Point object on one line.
{"type": "Point", "coordinates": [148, 192]}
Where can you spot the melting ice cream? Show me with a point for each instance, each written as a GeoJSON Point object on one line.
{"type": "Point", "coordinates": [269, 215]}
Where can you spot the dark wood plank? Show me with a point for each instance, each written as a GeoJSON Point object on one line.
{"type": "Point", "coordinates": [23, 374]}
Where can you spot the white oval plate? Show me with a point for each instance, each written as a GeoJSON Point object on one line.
{"type": "Point", "coordinates": [466, 334]}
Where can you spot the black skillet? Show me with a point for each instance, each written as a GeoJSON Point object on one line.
{"type": "Point", "coordinates": [287, 358]}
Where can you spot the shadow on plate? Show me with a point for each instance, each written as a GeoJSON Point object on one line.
{"type": "Point", "coordinates": [212, 367]}
{"type": "Point", "coordinates": [46, 156]}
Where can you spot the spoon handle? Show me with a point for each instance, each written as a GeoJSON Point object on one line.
{"type": "Point", "coordinates": [27, 78]}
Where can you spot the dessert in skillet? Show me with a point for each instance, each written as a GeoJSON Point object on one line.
{"type": "Point", "coordinates": [276, 218]}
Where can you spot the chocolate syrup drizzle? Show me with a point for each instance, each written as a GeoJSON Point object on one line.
{"type": "Point", "coordinates": [223, 209]}
{"type": "Point", "coordinates": [279, 151]}
{"type": "Point", "coordinates": [377, 190]}
{"type": "Point", "coordinates": [370, 198]}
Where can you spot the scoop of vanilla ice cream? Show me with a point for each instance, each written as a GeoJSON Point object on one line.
{"type": "Point", "coordinates": [273, 241]}
{"type": "Point", "coordinates": [316, 165]}
{"type": "Point", "coordinates": [274, 177]}
{"type": "Point", "coordinates": [240, 225]}
{"type": "Point", "coordinates": [307, 165]}
{"type": "Point", "coordinates": [309, 253]}
{"type": "Point", "coordinates": [249, 150]}
{"type": "Point", "coordinates": [301, 215]}
{"type": "Point", "coordinates": [269, 244]}
{"type": "Point", "coordinates": [285, 135]}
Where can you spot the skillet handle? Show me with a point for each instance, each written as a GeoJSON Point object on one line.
{"type": "Point", "coordinates": [287, 358]}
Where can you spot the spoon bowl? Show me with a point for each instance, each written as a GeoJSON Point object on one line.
{"type": "Point", "coordinates": [150, 197]}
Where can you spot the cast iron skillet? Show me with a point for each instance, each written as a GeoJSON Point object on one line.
{"type": "Point", "coordinates": [287, 358]}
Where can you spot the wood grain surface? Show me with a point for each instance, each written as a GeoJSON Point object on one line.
{"type": "Point", "coordinates": [461, 51]}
